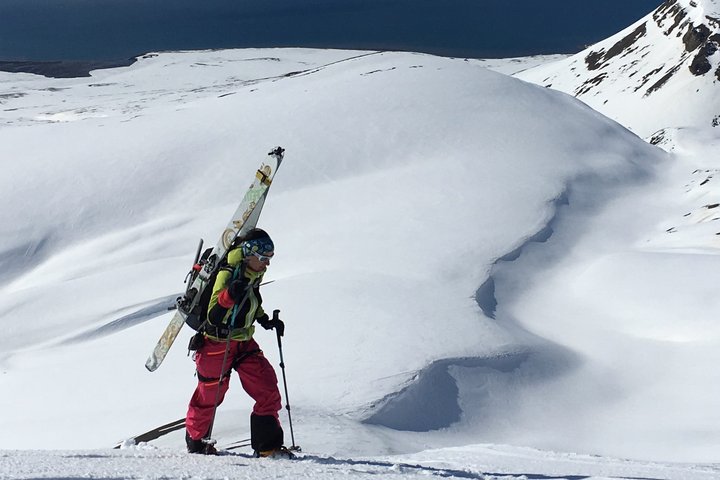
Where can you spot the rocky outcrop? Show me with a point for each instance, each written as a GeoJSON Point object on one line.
{"type": "Point", "coordinates": [598, 59]}
{"type": "Point", "coordinates": [662, 71]}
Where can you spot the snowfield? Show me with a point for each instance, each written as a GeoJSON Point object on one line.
{"type": "Point", "coordinates": [480, 462]}
{"type": "Point", "coordinates": [480, 277]}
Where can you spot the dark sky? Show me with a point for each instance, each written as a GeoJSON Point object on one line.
{"type": "Point", "coordinates": [119, 29]}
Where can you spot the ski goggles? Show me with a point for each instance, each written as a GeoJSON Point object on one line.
{"type": "Point", "coordinates": [262, 258]}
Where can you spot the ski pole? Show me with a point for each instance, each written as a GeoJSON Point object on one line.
{"type": "Point", "coordinates": [194, 266]}
{"type": "Point", "coordinates": [208, 436]}
{"type": "Point", "coordinates": [276, 316]}
{"type": "Point", "coordinates": [207, 439]}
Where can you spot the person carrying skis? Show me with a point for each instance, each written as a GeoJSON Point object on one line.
{"type": "Point", "coordinates": [235, 305]}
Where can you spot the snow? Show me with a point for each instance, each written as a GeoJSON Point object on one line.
{"type": "Point", "coordinates": [479, 276]}
{"type": "Point", "coordinates": [483, 462]}
{"type": "Point", "coordinates": [643, 76]}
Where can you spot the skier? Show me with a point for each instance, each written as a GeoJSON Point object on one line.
{"type": "Point", "coordinates": [228, 345]}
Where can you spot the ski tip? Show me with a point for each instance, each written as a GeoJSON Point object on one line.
{"type": "Point", "coordinates": [278, 153]}
{"type": "Point", "coordinates": [128, 443]}
{"type": "Point", "coordinates": [151, 366]}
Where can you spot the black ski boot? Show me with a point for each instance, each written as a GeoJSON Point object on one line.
{"type": "Point", "coordinates": [199, 446]}
{"type": "Point", "coordinates": [280, 452]}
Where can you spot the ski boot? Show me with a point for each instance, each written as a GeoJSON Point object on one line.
{"type": "Point", "coordinates": [201, 446]}
{"type": "Point", "coordinates": [280, 452]}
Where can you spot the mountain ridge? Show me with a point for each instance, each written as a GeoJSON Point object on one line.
{"type": "Point", "coordinates": [666, 65]}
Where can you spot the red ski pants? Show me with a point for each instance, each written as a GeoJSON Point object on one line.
{"type": "Point", "coordinates": [256, 375]}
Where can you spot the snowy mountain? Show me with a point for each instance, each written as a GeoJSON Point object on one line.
{"type": "Point", "coordinates": [663, 71]}
{"type": "Point", "coordinates": [480, 277]}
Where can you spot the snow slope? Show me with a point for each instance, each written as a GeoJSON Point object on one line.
{"type": "Point", "coordinates": [658, 77]}
{"type": "Point", "coordinates": [430, 218]}
{"type": "Point", "coordinates": [481, 462]}
{"type": "Point", "coordinates": [661, 72]}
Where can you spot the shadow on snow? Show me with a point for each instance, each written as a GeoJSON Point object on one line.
{"type": "Point", "coordinates": [158, 307]}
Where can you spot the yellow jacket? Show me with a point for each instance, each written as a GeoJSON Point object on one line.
{"type": "Point", "coordinates": [224, 315]}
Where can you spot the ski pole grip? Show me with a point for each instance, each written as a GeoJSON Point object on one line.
{"type": "Point", "coordinates": [276, 316]}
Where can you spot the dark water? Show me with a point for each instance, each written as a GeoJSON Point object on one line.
{"type": "Point", "coordinates": [112, 30]}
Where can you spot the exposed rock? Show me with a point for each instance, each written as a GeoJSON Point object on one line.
{"type": "Point", "coordinates": [589, 84]}
{"type": "Point", "coordinates": [649, 75]}
{"type": "Point", "coordinates": [671, 9]}
{"type": "Point", "coordinates": [701, 64]}
{"type": "Point", "coordinates": [626, 42]}
{"type": "Point", "coordinates": [695, 37]}
{"type": "Point", "coordinates": [658, 137]}
{"type": "Point", "coordinates": [595, 60]}
{"type": "Point", "coordinates": [658, 85]}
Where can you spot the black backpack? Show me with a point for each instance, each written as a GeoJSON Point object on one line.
{"type": "Point", "coordinates": [196, 318]}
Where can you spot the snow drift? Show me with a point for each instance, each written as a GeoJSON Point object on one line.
{"type": "Point", "coordinates": [410, 183]}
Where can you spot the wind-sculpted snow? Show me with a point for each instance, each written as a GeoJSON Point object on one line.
{"type": "Point", "coordinates": [430, 402]}
{"type": "Point", "coordinates": [157, 307]}
{"type": "Point", "coordinates": [409, 182]}
{"type": "Point", "coordinates": [485, 295]}
{"type": "Point", "coordinates": [16, 259]}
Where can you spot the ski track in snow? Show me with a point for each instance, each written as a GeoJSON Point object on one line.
{"type": "Point", "coordinates": [139, 464]}
{"type": "Point", "coordinates": [144, 462]}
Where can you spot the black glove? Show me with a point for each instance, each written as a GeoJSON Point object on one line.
{"type": "Point", "coordinates": [269, 324]}
{"type": "Point", "coordinates": [279, 326]}
{"type": "Point", "coordinates": [237, 289]}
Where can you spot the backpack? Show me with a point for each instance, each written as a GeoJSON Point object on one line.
{"type": "Point", "coordinates": [197, 317]}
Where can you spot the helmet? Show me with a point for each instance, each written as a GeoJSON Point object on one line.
{"type": "Point", "coordinates": [257, 241]}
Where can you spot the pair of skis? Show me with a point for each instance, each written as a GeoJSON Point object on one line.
{"type": "Point", "coordinates": [178, 424]}
{"type": "Point", "coordinates": [243, 220]}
